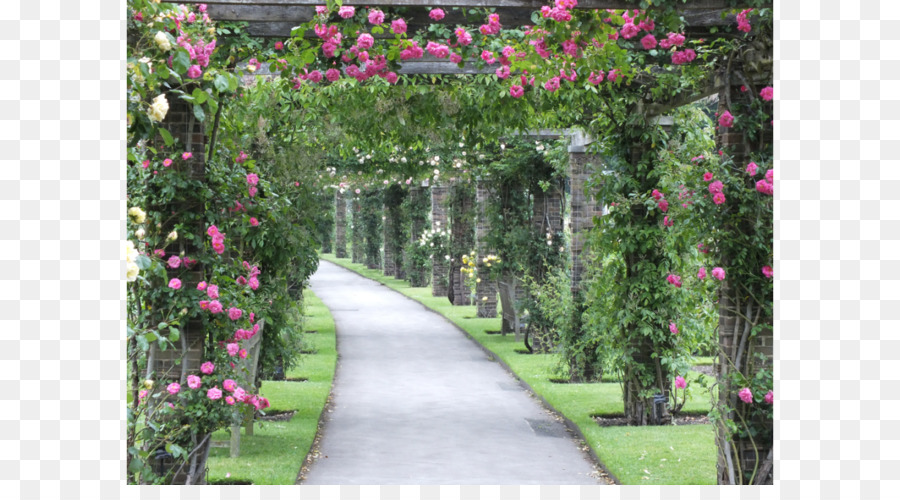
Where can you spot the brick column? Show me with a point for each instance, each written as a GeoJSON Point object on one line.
{"type": "Point", "coordinates": [583, 207]}
{"type": "Point", "coordinates": [439, 220]}
{"type": "Point", "coordinates": [461, 238]}
{"type": "Point", "coordinates": [389, 267]}
{"type": "Point", "coordinates": [188, 131]}
{"type": "Point", "coordinates": [486, 287]}
{"type": "Point", "coordinates": [340, 225]}
{"type": "Point", "coordinates": [418, 220]}
{"type": "Point", "coordinates": [357, 241]}
{"type": "Point", "coordinates": [733, 328]}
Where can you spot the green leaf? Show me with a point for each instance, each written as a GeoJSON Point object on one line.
{"type": "Point", "coordinates": [174, 334]}
{"type": "Point", "coordinates": [151, 336]}
{"type": "Point", "coordinates": [220, 83]}
{"type": "Point", "coordinates": [182, 61]}
{"type": "Point", "coordinates": [199, 113]}
{"type": "Point", "coordinates": [142, 261]}
{"type": "Point", "coordinates": [136, 465]}
{"type": "Point", "coordinates": [199, 96]}
{"type": "Point", "coordinates": [167, 138]}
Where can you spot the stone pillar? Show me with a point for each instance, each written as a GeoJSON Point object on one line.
{"type": "Point", "coordinates": [486, 288]}
{"type": "Point", "coordinates": [462, 238]}
{"type": "Point", "coordinates": [583, 207]}
{"type": "Point", "coordinates": [340, 225]}
{"type": "Point", "coordinates": [439, 221]}
{"type": "Point", "coordinates": [356, 234]}
{"type": "Point", "coordinates": [389, 267]}
{"type": "Point", "coordinates": [164, 365]}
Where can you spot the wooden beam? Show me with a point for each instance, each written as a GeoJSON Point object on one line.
{"type": "Point", "coordinates": [530, 4]}
{"type": "Point", "coordinates": [427, 65]}
{"type": "Point", "coordinates": [277, 21]}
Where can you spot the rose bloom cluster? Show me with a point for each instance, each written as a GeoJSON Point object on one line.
{"type": "Point", "coordinates": [230, 393]}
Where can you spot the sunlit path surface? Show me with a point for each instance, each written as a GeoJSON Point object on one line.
{"type": "Point", "coordinates": [417, 402]}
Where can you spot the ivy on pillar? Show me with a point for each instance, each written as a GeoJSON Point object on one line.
{"type": "Point", "coordinates": [340, 225]}
{"type": "Point", "coordinates": [189, 132]}
{"type": "Point", "coordinates": [485, 288]}
{"type": "Point", "coordinates": [356, 232]}
{"type": "Point", "coordinates": [462, 240]}
{"type": "Point", "coordinates": [439, 221]}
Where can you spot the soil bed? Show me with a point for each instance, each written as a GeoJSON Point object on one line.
{"type": "Point", "coordinates": [683, 419]}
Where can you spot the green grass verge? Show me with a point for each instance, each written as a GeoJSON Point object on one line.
{"type": "Point", "coordinates": [276, 450]}
{"type": "Point", "coordinates": [683, 454]}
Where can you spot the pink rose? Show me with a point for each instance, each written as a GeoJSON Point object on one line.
{"type": "Point", "coordinates": [365, 41]}
{"type": "Point", "coordinates": [656, 194]}
{"type": "Point", "coordinates": [436, 14]}
{"type": "Point", "coordinates": [767, 93]}
{"type": "Point", "coordinates": [252, 179]}
{"type": "Point", "coordinates": [719, 198]}
{"type": "Point", "coordinates": [174, 262]}
{"type": "Point", "coordinates": [769, 397]}
{"type": "Point", "coordinates": [649, 42]}
{"type": "Point", "coordinates": [207, 368]}
{"type": "Point", "coordinates": [242, 354]}
{"type": "Point", "coordinates": [718, 273]}
{"type": "Point", "coordinates": [214, 393]}
{"type": "Point", "coordinates": [212, 291]}
{"type": "Point", "coordinates": [629, 30]}
{"type": "Point", "coordinates": [142, 395]}
{"type": "Point", "coordinates": [398, 26]}
{"type": "Point", "coordinates": [673, 328]}
{"type": "Point", "coordinates": [716, 187]}
{"type": "Point", "coordinates": [701, 274]}
{"type": "Point", "coordinates": [680, 383]}
{"type": "Point", "coordinates": [708, 176]}
{"type": "Point", "coordinates": [346, 12]}
{"type": "Point", "coordinates": [201, 285]}
{"type": "Point", "coordinates": [229, 385]}
{"type": "Point", "coordinates": [186, 155]}
{"type": "Point", "coordinates": [229, 400]}
{"type": "Point", "coordinates": [726, 120]}
{"type": "Point", "coordinates": [516, 91]}
{"type": "Point", "coordinates": [254, 222]}
{"type": "Point", "coordinates": [376, 16]}
{"type": "Point", "coordinates": [333, 75]}
{"type": "Point", "coordinates": [674, 279]}
{"type": "Point", "coordinates": [234, 313]}
{"type": "Point", "coordinates": [770, 176]}
{"type": "Point", "coordinates": [233, 348]}
{"type": "Point", "coordinates": [175, 283]}
{"type": "Point", "coordinates": [212, 231]}
{"type": "Point", "coordinates": [552, 84]}
{"type": "Point", "coordinates": [745, 395]}
{"type": "Point", "coordinates": [193, 381]}
{"type": "Point", "coordinates": [194, 71]}
{"type": "Point", "coordinates": [751, 168]}
{"type": "Point", "coordinates": [663, 205]}
{"type": "Point", "coordinates": [279, 45]}
{"type": "Point", "coordinates": [254, 283]}
{"type": "Point", "coordinates": [167, 162]}
{"type": "Point", "coordinates": [768, 272]}
{"type": "Point", "coordinates": [173, 388]}
{"type": "Point", "coordinates": [215, 307]}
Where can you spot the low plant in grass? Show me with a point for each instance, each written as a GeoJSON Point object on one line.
{"type": "Point", "coordinates": [277, 449]}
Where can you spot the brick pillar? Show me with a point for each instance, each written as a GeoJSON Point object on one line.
{"type": "Point", "coordinates": [418, 220]}
{"type": "Point", "coordinates": [439, 221]}
{"type": "Point", "coordinates": [486, 287]}
{"type": "Point", "coordinates": [462, 238]}
{"type": "Point", "coordinates": [547, 212]}
{"type": "Point", "coordinates": [733, 329]}
{"type": "Point", "coordinates": [358, 253]}
{"type": "Point", "coordinates": [389, 267]}
{"type": "Point", "coordinates": [188, 131]}
{"type": "Point", "coordinates": [340, 225]}
{"type": "Point", "coordinates": [582, 206]}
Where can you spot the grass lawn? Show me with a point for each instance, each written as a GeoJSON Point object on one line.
{"type": "Point", "coordinates": [276, 450]}
{"type": "Point", "coordinates": [683, 454]}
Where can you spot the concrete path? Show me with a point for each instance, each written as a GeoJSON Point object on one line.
{"type": "Point", "coordinates": [417, 402]}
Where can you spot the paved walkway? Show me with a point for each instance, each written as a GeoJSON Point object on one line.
{"type": "Point", "coordinates": [417, 402]}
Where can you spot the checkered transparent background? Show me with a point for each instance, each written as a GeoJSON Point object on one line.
{"type": "Point", "coordinates": [62, 297]}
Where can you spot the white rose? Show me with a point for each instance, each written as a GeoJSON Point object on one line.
{"type": "Point", "coordinates": [172, 236]}
{"type": "Point", "coordinates": [140, 233]}
{"type": "Point", "coordinates": [131, 271]}
{"type": "Point", "coordinates": [163, 41]}
{"type": "Point", "coordinates": [158, 108]}
{"type": "Point", "coordinates": [137, 215]}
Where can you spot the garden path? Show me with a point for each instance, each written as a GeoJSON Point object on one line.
{"type": "Point", "coordinates": [417, 402]}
